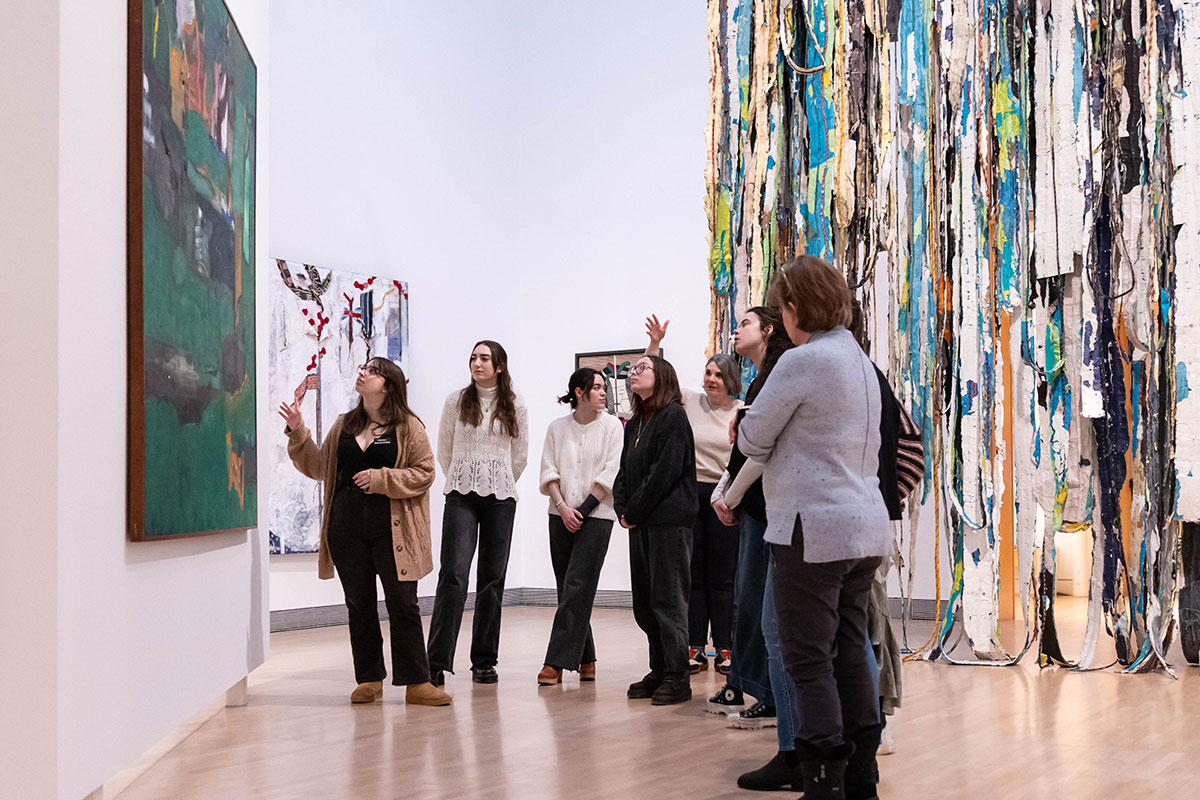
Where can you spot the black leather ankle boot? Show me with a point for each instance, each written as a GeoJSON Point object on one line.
{"type": "Point", "coordinates": [781, 772]}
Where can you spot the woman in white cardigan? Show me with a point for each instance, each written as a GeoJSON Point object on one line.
{"type": "Point", "coordinates": [579, 464]}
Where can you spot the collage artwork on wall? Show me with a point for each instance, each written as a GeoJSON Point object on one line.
{"type": "Point", "coordinates": [324, 324]}
{"type": "Point", "coordinates": [191, 193]}
{"type": "Point", "coordinates": [614, 365]}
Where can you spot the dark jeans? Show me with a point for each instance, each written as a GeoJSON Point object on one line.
{"type": "Point", "coordinates": [749, 669]}
{"type": "Point", "coordinates": [469, 519]}
{"type": "Point", "coordinates": [822, 610]}
{"type": "Point", "coordinates": [359, 554]}
{"type": "Point", "coordinates": [659, 558]}
{"type": "Point", "coordinates": [577, 559]}
{"type": "Point", "coordinates": [714, 564]}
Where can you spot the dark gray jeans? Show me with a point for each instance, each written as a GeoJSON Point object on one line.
{"type": "Point", "coordinates": [469, 519]}
{"type": "Point", "coordinates": [660, 576]}
{"type": "Point", "coordinates": [822, 613]}
{"type": "Point", "coordinates": [577, 559]}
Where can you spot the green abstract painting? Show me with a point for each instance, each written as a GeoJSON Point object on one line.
{"type": "Point", "coordinates": [192, 121]}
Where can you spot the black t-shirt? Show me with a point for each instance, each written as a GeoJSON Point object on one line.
{"type": "Point", "coordinates": [352, 459]}
{"type": "Point", "coordinates": [353, 510]}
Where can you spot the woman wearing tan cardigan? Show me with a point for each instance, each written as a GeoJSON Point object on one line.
{"type": "Point", "coordinates": [377, 467]}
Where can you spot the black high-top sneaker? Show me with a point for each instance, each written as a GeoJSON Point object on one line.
{"type": "Point", "coordinates": [726, 699]}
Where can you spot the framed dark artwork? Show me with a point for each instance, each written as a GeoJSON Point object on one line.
{"type": "Point", "coordinates": [614, 365]}
{"type": "Point", "coordinates": [192, 440]}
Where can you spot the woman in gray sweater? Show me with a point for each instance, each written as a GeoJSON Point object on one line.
{"type": "Point", "coordinates": [815, 424]}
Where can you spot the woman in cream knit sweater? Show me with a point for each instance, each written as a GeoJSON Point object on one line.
{"type": "Point", "coordinates": [483, 446]}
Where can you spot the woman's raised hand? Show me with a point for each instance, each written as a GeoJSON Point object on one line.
{"type": "Point", "coordinates": [291, 415]}
{"type": "Point", "coordinates": [657, 331]}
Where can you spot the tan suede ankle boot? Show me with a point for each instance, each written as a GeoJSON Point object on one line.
{"type": "Point", "coordinates": [367, 692]}
{"type": "Point", "coordinates": [425, 694]}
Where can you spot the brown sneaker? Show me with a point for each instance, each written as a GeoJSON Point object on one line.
{"type": "Point", "coordinates": [587, 672]}
{"type": "Point", "coordinates": [425, 694]}
{"type": "Point", "coordinates": [549, 676]}
{"type": "Point", "coordinates": [367, 692]}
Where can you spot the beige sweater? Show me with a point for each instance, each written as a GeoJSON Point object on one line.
{"type": "Point", "coordinates": [710, 429]}
{"type": "Point", "coordinates": [407, 484]}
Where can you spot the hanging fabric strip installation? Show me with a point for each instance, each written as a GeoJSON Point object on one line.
{"type": "Point", "coordinates": [1008, 188]}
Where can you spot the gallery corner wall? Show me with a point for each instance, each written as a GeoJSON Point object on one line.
{"type": "Point", "coordinates": [107, 645]}
{"type": "Point", "coordinates": [527, 184]}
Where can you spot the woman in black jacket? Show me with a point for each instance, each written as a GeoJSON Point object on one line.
{"type": "Point", "coordinates": [655, 498]}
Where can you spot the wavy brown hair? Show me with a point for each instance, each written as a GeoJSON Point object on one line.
{"type": "Point", "coordinates": [666, 388]}
{"type": "Point", "coordinates": [470, 412]}
{"type": "Point", "coordinates": [395, 410]}
{"type": "Point", "coordinates": [778, 343]}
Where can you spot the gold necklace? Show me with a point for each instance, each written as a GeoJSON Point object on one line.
{"type": "Point", "coordinates": [641, 422]}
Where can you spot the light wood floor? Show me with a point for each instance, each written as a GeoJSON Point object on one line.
{"type": "Point", "coordinates": [979, 733]}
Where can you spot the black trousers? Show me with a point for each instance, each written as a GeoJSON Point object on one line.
{"type": "Point", "coordinates": [469, 520]}
{"type": "Point", "coordinates": [714, 564]}
{"type": "Point", "coordinates": [822, 613]}
{"type": "Point", "coordinates": [360, 543]}
{"type": "Point", "coordinates": [577, 559]}
{"type": "Point", "coordinates": [659, 563]}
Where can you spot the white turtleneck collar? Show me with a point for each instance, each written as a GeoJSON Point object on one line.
{"type": "Point", "coordinates": [486, 393]}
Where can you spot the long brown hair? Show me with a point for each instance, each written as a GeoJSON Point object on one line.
{"type": "Point", "coordinates": [666, 388]}
{"type": "Point", "coordinates": [778, 343]}
{"type": "Point", "coordinates": [470, 412]}
{"type": "Point", "coordinates": [394, 410]}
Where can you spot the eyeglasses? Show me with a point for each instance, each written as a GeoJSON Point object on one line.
{"type": "Point", "coordinates": [369, 369]}
{"type": "Point", "coordinates": [638, 369]}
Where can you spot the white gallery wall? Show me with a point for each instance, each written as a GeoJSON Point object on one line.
{"type": "Point", "coordinates": [534, 170]}
{"type": "Point", "coordinates": [28, 490]}
{"type": "Point", "coordinates": [108, 645]}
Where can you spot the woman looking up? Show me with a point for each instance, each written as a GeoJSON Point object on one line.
{"type": "Point", "coordinates": [483, 446]}
{"type": "Point", "coordinates": [714, 544]}
{"type": "Point", "coordinates": [579, 464]}
{"type": "Point", "coordinates": [377, 468]}
{"type": "Point", "coordinates": [816, 426]}
{"type": "Point", "coordinates": [654, 497]}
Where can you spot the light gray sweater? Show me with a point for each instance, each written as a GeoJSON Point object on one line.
{"type": "Point", "coordinates": [816, 425]}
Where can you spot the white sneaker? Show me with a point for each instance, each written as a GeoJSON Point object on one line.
{"type": "Point", "coordinates": [887, 742]}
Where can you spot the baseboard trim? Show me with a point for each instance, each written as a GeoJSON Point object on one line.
{"type": "Point", "coordinates": [295, 619]}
